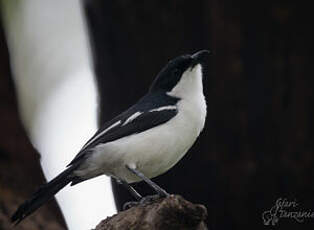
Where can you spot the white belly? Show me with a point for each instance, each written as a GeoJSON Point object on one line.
{"type": "Point", "coordinates": [152, 152]}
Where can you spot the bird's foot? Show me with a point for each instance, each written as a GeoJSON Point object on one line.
{"type": "Point", "coordinates": [144, 201]}
{"type": "Point", "coordinates": [150, 199]}
{"type": "Point", "coordinates": [130, 204]}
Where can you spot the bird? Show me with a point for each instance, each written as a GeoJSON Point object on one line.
{"type": "Point", "coordinates": [142, 142]}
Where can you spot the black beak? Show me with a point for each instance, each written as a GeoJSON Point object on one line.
{"type": "Point", "coordinates": [200, 57]}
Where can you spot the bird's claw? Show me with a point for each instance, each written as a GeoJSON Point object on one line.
{"type": "Point", "coordinates": [144, 201]}
{"type": "Point", "coordinates": [130, 204]}
{"type": "Point", "coordinates": [149, 199]}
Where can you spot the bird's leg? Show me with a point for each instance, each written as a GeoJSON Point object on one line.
{"type": "Point", "coordinates": [161, 192]}
{"type": "Point", "coordinates": [134, 193]}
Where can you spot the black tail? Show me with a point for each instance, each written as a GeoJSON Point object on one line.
{"type": "Point", "coordinates": [43, 194]}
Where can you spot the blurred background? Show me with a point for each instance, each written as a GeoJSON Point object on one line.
{"type": "Point", "coordinates": [258, 142]}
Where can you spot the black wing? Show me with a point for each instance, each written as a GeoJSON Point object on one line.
{"type": "Point", "coordinates": [146, 120]}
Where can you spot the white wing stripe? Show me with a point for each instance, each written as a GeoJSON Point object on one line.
{"type": "Point", "coordinates": [131, 118]}
{"type": "Point", "coordinates": [103, 132]}
{"type": "Point", "coordinates": [168, 107]}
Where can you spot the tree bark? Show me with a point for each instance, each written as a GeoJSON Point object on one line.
{"type": "Point", "coordinates": [171, 213]}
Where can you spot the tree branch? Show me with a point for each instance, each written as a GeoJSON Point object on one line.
{"type": "Point", "coordinates": [172, 212]}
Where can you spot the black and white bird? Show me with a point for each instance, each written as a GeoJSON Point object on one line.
{"type": "Point", "coordinates": [144, 141]}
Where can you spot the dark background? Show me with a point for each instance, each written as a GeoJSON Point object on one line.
{"type": "Point", "coordinates": [257, 145]}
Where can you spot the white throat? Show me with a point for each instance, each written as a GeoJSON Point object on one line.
{"type": "Point", "coordinates": [192, 104]}
{"type": "Point", "coordinates": [190, 84]}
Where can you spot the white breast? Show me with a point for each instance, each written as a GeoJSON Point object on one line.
{"type": "Point", "coordinates": [156, 150]}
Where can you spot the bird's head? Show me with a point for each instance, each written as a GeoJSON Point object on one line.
{"type": "Point", "coordinates": [182, 76]}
